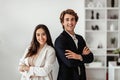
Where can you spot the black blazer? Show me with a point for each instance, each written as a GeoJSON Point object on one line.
{"type": "Point", "coordinates": [68, 68]}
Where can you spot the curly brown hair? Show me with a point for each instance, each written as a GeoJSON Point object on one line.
{"type": "Point", "coordinates": [68, 11]}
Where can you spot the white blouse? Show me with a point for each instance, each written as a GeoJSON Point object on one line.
{"type": "Point", "coordinates": [43, 65]}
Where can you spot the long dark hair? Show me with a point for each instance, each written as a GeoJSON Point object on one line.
{"type": "Point", "coordinates": [35, 44]}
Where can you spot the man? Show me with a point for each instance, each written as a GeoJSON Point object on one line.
{"type": "Point", "coordinates": [71, 49]}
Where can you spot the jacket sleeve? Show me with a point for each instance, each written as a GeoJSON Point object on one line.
{"type": "Point", "coordinates": [86, 58]}
{"type": "Point", "coordinates": [24, 61]}
{"type": "Point", "coordinates": [60, 52]}
{"type": "Point", "coordinates": [47, 68]}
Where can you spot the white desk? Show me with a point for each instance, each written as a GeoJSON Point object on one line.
{"type": "Point", "coordinates": [113, 71]}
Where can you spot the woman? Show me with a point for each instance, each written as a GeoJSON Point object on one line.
{"type": "Point", "coordinates": [38, 60]}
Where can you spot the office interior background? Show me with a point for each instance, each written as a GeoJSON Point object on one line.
{"type": "Point", "coordinates": [18, 19]}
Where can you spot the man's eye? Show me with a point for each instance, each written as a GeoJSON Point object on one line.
{"type": "Point", "coordinates": [67, 19]}
{"type": "Point", "coordinates": [72, 19]}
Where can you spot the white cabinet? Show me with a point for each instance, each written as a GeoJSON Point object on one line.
{"type": "Point", "coordinates": [114, 71]}
{"type": "Point", "coordinates": [102, 34]}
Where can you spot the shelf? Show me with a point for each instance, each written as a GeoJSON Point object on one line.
{"type": "Point", "coordinates": [112, 54]}
{"type": "Point", "coordinates": [112, 31]}
{"type": "Point", "coordinates": [110, 49]}
{"type": "Point", "coordinates": [112, 19]}
{"type": "Point", "coordinates": [99, 8]}
{"type": "Point", "coordinates": [99, 54]}
{"type": "Point", "coordinates": [97, 20]}
{"type": "Point", "coordinates": [104, 39]}
{"type": "Point", "coordinates": [112, 8]}
{"type": "Point", "coordinates": [87, 67]}
{"type": "Point", "coordinates": [95, 31]}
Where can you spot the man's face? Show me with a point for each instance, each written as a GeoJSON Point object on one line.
{"type": "Point", "coordinates": [69, 22]}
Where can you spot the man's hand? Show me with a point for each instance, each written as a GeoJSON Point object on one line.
{"type": "Point", "coordinates": [71, 55]}
{"type": "Point", "coordinates": [86, 51]}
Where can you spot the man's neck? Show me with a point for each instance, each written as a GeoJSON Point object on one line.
{"type": "Point", "coordinates": [71, 33]}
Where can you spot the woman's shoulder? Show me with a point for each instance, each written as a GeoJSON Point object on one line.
{"type": "Point", "coordinates": [50, 48]}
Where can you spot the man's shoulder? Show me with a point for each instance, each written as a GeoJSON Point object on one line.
{"type": "Point", "coordinates": [62, 38]}
{"type": "Point", "coordinates": [61, 35]}
{"type": "Point", "coordinates": [78, 35]}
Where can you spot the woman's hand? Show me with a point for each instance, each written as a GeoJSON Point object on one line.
{"type": "Point", "coordinates": [24, 68]}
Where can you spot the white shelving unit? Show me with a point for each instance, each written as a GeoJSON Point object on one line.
{"type": "Point", "coordinates": [114, 71]}
{"type": "Point", "coordinates": [102, 34]}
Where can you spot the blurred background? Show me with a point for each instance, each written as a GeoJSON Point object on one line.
{"type": "Point", "coordinates": [18, 19]}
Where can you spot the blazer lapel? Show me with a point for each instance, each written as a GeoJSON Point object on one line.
{"type": "Point", "coordinates": [40, 59]}
{"type": "Point", "coordinates": [69, 38]}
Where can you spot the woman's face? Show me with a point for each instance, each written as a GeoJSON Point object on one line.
{"type": "Point", "coordinates": [69, 23]}
{"type": "Point", "coordinates": [41, 36]}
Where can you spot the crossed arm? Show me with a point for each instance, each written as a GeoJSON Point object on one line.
{"type": "Point", "coordinates": [71, 55]}
{"type": "Point", "coordinates": [38, 70]}
{"type": "Point", "coordinates": [24, 68]}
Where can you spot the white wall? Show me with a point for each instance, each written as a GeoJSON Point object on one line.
{"type": "Point", "coordinates": [17, 21]}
